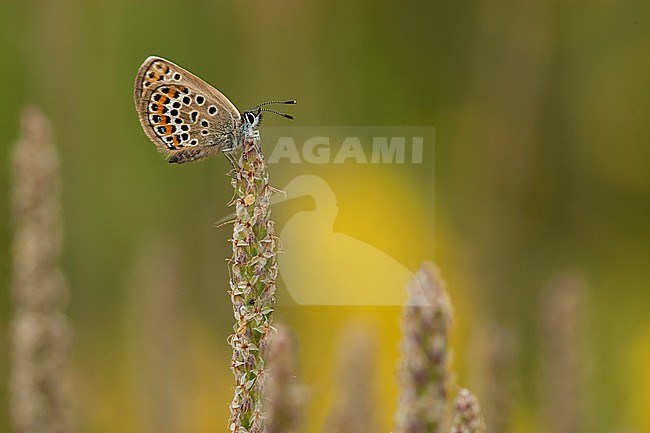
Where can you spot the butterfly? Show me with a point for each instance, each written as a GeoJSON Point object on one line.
{"type": "Point", "coordinates": [188, 119]}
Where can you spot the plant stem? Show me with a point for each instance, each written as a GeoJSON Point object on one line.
{"type": "Point", "coordinates": [253, 269]}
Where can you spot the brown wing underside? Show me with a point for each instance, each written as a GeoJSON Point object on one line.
{"type": "Point", "coordinates": [186, 118]}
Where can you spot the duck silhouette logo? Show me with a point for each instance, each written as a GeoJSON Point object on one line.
{"type": "Point", "coordinates": [322, 267]}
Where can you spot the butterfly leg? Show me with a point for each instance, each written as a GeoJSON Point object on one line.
{"type": "Point", "coordinates": [233, 161]}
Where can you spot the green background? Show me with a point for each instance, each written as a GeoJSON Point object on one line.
{"type": "Point", "coordinates": [541, 112]}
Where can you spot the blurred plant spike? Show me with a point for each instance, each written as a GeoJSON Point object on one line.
{"type": "Point", "coordinates": [563, 357]}
{"type": "Point", "coordinates": [253, 270]}
{"type": "Point", "coordinates": [285, 394]}
{"type": "Point", "coordinates": [160, 341]}
{"type": "Point", "coordinates": [353, 409]}
{"type": "Point", "coordinates": [424, 367]}
{"type": "Point", "coordinates": [40, 388]}
{"type": "Point", "coordinates": [467, 414]}
{"type": "Point", "coordinates": [493, 355]}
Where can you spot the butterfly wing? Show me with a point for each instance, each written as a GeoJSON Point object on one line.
{"type": "Point", "coordinates": [186, 118]}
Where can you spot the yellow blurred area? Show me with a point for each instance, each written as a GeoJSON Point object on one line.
{"type": "Point", "coordinates": [332, 257]}
{"type": "Point", "coordinates": [638, 379]}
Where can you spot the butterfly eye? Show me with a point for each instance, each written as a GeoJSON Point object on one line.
{"type": "Point", "coordinates": [250, 118]}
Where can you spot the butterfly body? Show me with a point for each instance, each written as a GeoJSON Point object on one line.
{"type": "Point", "coordinates": [186, 118]}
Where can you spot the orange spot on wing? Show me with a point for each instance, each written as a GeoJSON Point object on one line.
{"type": "Point", "coordinates": [151, 79]}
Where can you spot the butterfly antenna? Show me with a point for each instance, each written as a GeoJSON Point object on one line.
{"type": "Point", "coordinates": [290, 101]}
{"type": "Point", "coordinates": [288, 116]}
